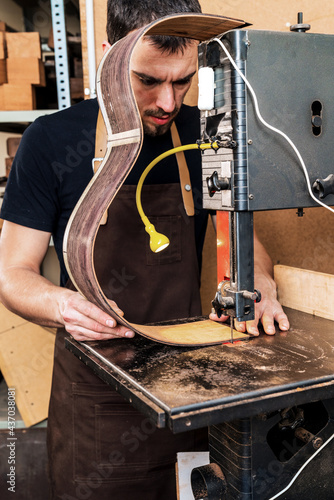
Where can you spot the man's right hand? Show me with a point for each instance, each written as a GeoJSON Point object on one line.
{"type": "Point", "coordinates": [85, 321]}
{"type": "Point", "coordinates": [25, 292]}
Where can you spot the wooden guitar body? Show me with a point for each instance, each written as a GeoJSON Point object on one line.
{"type": "Point", "coordinates": [124, 140]}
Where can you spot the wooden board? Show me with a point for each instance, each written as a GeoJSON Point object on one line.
{"type": "Point", "coordinates": [1, 97]}
{"type": "Point", "coordinates": [195, 333]}
{"type": "Point", "coordinates": [124, 128]}
{"type": "Point", "coordinates": [26, 362]}
{"type": "Point", "coordinates": [308, 291]}
{"type": "Point", "coordinates": [29, 70]}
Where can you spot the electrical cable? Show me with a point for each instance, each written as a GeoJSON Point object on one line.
{"type": "Point", "coordinates": [270, 127]}
{"type": "Point", "coordinates": [302, 468]}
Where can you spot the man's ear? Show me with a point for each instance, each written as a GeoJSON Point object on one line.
{"type": "Point", "coordinates": [105, 46]}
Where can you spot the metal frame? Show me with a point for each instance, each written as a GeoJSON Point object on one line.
{"type": "Point", "coordinates": [61, 59]}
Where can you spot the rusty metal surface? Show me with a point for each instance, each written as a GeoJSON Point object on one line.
{"type": "Point", "coordinates": [195, 387]}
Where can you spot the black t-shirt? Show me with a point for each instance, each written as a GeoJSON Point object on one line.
{"type": "Point", "coordinates": [53, 166]}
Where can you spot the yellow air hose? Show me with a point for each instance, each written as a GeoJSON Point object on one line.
{"type": "Point", "coordinates": [158, 241]}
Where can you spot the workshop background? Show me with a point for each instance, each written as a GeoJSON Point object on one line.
{"type": "Point", "coordinates": [28, 88]}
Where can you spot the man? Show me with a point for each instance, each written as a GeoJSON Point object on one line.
{"type": "Point", "coordinates": [99, 446]}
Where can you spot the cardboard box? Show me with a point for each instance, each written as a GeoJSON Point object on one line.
{"type": "Point", "coordinates": [18, 97]}
{"type": "Point", "coordinates": [3, 71]}
{"type": "Point", "coordinates": [23, 45]}
{"type": "Point", "coordinates": [25, 70]}
{"type": "Point", "coordinates": [3, 53]}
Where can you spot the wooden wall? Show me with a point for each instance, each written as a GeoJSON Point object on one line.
{"type": "Point", "coordinates": [306, 242]}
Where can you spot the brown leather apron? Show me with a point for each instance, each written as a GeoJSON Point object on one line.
{"type": "Point", "coordinates": [100, 447]}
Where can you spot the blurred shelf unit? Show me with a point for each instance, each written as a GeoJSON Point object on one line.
{"type": "Point", "coordinates": [40, 63]}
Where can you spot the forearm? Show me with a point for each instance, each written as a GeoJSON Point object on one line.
{"type": "Point", "coordinates": [36, 299]}
{"type": "Point", "coordinates": [25, 292]}
{"type": "Point", "coordinates": [262, 261]}
{"type": "Point", "coordinates": [33, 297]}
{"type": "Point", "coordinates": [263, 270]}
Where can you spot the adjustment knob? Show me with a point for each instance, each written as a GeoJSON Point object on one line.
{"type": "Point", "coordinates": [216, 183]}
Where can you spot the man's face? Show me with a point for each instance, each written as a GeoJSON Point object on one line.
{"type": "Point", "coordinates": [160, 81]}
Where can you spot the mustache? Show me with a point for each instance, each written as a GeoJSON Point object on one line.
{"type": "Point", "coordinates": [160, 113]}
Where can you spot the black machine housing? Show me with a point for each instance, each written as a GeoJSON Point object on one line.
{"type": "Point", "coordinates": [292, 75]}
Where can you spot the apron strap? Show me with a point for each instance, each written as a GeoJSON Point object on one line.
{"type": "Point", "coordinates": [100, 151]}
{"type": "Point", "coordinates": [187, 195]}
{"type": "Point", "coordinates": [101, 147]}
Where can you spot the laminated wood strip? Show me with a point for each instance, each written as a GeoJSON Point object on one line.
{"type": "Point", "coordinates": [120, 113]}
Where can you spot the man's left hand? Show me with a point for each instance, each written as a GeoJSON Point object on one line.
{"type": "Point", "coordinates": [267, 311]}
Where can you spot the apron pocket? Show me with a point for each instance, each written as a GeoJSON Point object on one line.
{"type": "Point", "coordinates": [114, 442]}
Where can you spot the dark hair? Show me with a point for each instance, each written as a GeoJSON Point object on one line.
{"type": "Point", "coordinates": [124, 16]}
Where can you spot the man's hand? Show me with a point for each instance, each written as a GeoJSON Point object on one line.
{"type": "Point", "coordinates": [267, 311]}
{"type": "Point", "coordinates": [25, 292]}
{"type": "Point", "coordinates": [85, 321]}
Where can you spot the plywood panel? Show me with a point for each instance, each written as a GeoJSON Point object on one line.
{"type": "Point", "coordinates": [26, 362]}
{"type": "Point", "coordinates": [18, 96]}
{"type": "Point", "coordinates": [306, 242]}
{"type": "Point", "coordinates": [29, 70]}
{"type": "Point", "coordinates": [273, 15]}
{"type": "Point", "coordinates": [306, 291]}
{"type": "Point", "coordinates": [25, 44]}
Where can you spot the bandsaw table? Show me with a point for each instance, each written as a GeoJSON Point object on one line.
{"type": "Point", "coordinates": [240, 385]}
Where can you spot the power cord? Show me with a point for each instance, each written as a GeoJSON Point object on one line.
{"type": "Point", "coordinates": [302, 468]}
{"type": "Point", "coordinates": [270, 127]}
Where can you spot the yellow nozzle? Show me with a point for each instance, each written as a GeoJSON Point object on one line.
{"type": "Point", "coordinates": [158, 241]}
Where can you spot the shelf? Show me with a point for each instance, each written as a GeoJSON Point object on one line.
{"type": "Point", "coordinates": [24, 116]}
{"type": "Point", "coordinates": [61, 83]}
{"type": "Point", "coordinates": [15, 122]}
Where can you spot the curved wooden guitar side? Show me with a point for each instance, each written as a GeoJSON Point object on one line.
{"type": "Point", "coordinates": [124, 129]}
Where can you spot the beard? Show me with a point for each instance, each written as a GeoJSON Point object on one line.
{"type": "Point", "coordinates": [156, 130]}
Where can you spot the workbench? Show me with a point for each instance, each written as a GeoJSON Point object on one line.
{"type": "Point", "coordinates": [241, 385]}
